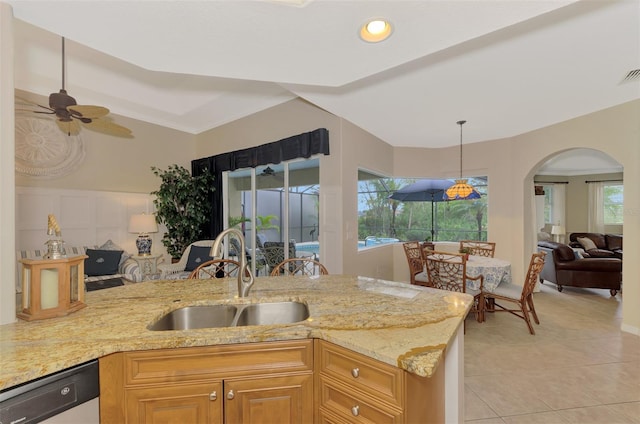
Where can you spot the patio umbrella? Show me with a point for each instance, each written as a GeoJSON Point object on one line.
{"type": "Point", "coordinates": [423, 191]}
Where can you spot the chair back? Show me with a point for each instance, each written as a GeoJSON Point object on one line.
{"type": "Point", "coordinates": [447, 271]}
{"type": "Point", "coordinates": [535, 267]}
{"type": "Point", "coordinates": [299, 266]}
{"type": "Point", "coordinates": [413, 252]}
{"type": "Point", "coordinates": [273, 252]}
{"type": "Point", "coordinates": [479, 248]}
{"type": "Point", "coordinates": [216, 268]}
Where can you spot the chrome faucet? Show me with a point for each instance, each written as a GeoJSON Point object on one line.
{"type": "Point", "coordinates": [245, 282]}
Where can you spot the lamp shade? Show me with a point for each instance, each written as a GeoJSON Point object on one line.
{"type": "Point", "coordinates": [557, 230]}
{"type": "Point", "coordinates": [143, 224]}
{"type": "Point", "coordinates": [461, 191]}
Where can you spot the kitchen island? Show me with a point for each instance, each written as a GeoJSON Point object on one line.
{"type": "Point", "coordinates": [408, 327]}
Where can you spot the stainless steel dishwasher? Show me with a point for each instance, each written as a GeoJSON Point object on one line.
{"type": "Point", "coordinates": [69, 396]}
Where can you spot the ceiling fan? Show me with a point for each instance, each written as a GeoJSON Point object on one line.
{"type": "Point", "coordinates": [270, 172]}
{"type": "Point", "coordinates": [69, 114]}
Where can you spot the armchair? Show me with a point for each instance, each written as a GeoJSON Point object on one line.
{"type": "Point", "coordinates": [178, 270]}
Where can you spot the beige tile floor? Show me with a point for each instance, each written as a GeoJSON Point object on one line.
{"type": "Point", "coordinates": [578, 368]}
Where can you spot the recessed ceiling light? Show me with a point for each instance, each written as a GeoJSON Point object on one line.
{"type": "Point", "coordinates": [375, 30]}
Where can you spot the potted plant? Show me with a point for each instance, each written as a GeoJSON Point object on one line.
{"type": "Point", "coordinates": [466, 252]}
{"type": "Point", "coordinates": [182, 205]}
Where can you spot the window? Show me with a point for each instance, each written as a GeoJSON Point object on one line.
{"type": "Point", "coordinates": [613, 202]}
{"type": "Point", "coordinates": [548, 203]}
{"type": "Point", "coordinates": [381, 220]}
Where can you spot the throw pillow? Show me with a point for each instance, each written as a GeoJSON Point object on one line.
{"type": "Point", "coordinates": [101, 262]}
{"type": "Point", "coordinates": [586, 243]}
{"type": "Point", "coordinates": [109, 245]}
{"type": "Point", "coordinates": [197, 256]}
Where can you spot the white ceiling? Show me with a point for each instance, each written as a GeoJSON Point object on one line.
{"type": "Point", "coordinates": [507, 67]}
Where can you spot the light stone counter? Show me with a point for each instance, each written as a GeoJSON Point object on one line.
{"type": "Point", "coordinates": [406, 326]}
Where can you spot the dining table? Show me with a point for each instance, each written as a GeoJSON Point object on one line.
{"type": "Point", "coordinates": [495, 271]}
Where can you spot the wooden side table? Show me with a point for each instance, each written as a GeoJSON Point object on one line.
{"type": "Point", "coordinates": [148, 266]}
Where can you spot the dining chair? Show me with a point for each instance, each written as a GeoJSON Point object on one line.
{"type": "Point", "coordinates": [216, 268]}
{"type": "Point", "coordinates": [448, 271]}
{"type": "Point", "coordinates": [413, 252]}
{"type": "Point", "coordinates": [478, 248]}
{"type": "Point", "coordinates": [521, 298]}
{"type": "Point", "coordinates": [299, 266]}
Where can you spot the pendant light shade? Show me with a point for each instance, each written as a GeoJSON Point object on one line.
{"type": "Point", "coordinates": [461, 190]}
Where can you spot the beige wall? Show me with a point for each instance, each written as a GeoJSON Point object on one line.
{"type": "Point", "coordinates": [122, 164]}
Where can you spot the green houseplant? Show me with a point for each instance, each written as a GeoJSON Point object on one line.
{"type": "Point", "coordinates": [182, 205]}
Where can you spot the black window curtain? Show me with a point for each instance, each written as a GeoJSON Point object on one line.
{"type": "Point", "coordinates": [298, 146]}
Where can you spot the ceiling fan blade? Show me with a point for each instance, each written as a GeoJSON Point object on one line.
{"type": "Point", "coordinates": [22, 102]}
{"type": "Point", "coordinates": [110, 128]}
{"type": "Point", "coordinates": [87, 111]}
{"type": "Point", "coordinates": [71, 127]}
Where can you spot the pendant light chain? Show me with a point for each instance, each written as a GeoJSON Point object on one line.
{"type": "Point", "coordinates": [461, 123]}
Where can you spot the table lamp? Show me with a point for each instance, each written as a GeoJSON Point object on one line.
{"type": "Point", "coordinates": [143, 224]}
{"type": "Point", "coordinates": [557, 231]}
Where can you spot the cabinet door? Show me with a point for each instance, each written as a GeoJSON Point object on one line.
{"type": "Point", "coordinates": [272, 399]}
{"type": "Point", "coordinates": [178, 403]}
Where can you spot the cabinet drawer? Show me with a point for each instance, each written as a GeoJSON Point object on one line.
{"type": "Point", "coordinates": [203, 363]}
{"type": "Point", "coordinates": [355, 406]}
{"type": "Point", "coordinates": [376, 378]}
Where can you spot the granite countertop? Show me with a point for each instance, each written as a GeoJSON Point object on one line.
{"type": "Point", "coordinates": [402, 325]}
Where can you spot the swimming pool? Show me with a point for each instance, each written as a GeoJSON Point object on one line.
{"type": "Point", "coordinates": [314, 246]}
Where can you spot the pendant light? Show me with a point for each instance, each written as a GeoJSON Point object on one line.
{"type": "Point", "coordinates": [461, 190]}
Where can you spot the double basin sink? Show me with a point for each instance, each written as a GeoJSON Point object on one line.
{"type": "Point", "coordinates": [226, 315]}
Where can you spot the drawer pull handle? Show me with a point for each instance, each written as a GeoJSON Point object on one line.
{"type": "Point", "coordinates": [355, 410]}
{"type": "Point", "coordinates": [213, 395]}
{"type": "Point", "coordinates": [355, 372]}
{"type": "Point", "coordinates": [231, 395]}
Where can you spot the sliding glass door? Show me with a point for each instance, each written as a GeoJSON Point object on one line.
{"type": "Point", "coordinates": [276, 205]}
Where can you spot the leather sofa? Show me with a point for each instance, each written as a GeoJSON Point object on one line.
{"type": "Point", "coordinates": [607, 245]}
{"type": "Point", "coordinates": [563, 268]}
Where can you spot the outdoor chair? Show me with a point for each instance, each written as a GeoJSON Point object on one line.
{"type": "Point", "coordinates": [478, 248]}
{"type": "Point", "coordinates": [299, 266]}
{"type": "Point", "coordinates": [216, 268]}
{"type": "Point", "coordinates": [448, 271]}
{"type": "Point", "coordinates": [273, 252]}
{"type": "Point", "coordinates": [521, 297]}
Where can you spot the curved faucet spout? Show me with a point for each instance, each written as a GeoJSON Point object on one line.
{"type": "Point", "coordinates": [245, 277]}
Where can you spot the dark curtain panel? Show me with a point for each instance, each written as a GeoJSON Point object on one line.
{"type": "Point", "coordinates": [298, 146]}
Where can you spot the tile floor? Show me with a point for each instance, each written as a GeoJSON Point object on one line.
{"type": "Point", "coordinates": [578, 368]}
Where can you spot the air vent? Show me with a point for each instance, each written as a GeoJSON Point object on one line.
{"type": "Point", "coordinates": [633, 75]}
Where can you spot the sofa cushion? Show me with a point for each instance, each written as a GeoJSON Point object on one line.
{"type": "Point", "coordinates": [102, 262]}
{"type": "Point", "coordinates": [563, 253]}
{"type": "Point", "coordinates": [614, 241]}
{"type": "Point", "coordinates": [110, 245]}
{"type": "Point", "coordinates": [586, 243]}
{"type": "Point", "coordinates": [197, 255]}
{"type": "Point", "coordinates": [597, 238]}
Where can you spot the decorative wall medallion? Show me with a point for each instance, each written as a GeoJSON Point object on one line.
{"type": "Point", "coordinates": [43, 151]}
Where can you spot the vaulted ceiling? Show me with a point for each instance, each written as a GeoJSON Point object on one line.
{"type": "Point", "coordinates": [507, 67]}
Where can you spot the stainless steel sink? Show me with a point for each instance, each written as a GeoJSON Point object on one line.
{"type": "Point", "coordinates": [211, 316]}
{"type": "Point", "coordinates": [272, 313]}
{"type": "Point", "coordinates": [206, 316]}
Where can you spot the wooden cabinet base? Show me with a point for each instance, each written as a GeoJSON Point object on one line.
{"type": "Point", "coordinates": [287, 382]}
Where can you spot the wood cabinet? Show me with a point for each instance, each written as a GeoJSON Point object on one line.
{"type": "Point", "coordinates": [353, 388]}
{"type": "Point", "coordinates": [253, 382]}
{"type": "Point", "coordinates": [301, 381]}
